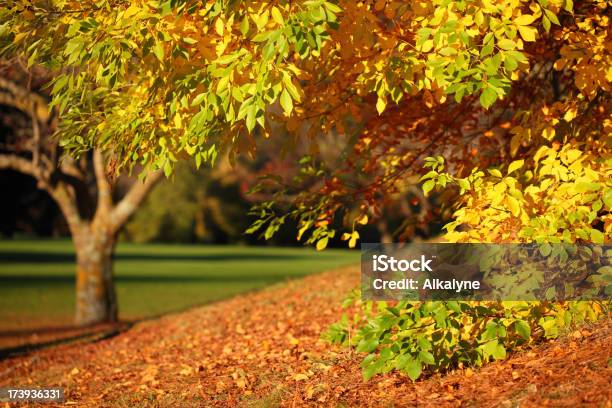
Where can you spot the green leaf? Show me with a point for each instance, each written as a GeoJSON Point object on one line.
{"type": "Point", "coordinates": [332, 7]}
{"type": "Point", "coordinates": [413, 369]}
{"type": "Point", "coordinates": [244, 25]}
{"type": "Point", "coordinates": [487, 49]}
{"type": "Point", "coordinates": [506, 44]}
{"type": "Point", "coordinates": [523, 329]}
{"type": "Point", "coordinates": [488, 97]}
{"type": "Point", "coordinates": [158, 50]}
{"type": "Point", "coordinates": [291, 88]}
{"type": "Point", "coordinates": [429, 175]}
{"type": "Point", "coordinates": [167, 168]}
{"type": "Point", "coordinates": [597, 236]}
{"type": "Point", "coordinates": [428, 186]}
{"type": "Point", "coordinates": [448, 51]}
{"type": "Point", "coordinates": [322, 243]}
{"type": "Point", "coordinates": [551, 16]}
{"type": "Point", "coordinates": [261, 37]}
{"type": "Point", "coordinates": [607, 198]}
{"type": "Point", "coordinates": [371, 370]}
{"type": "Point", "coordinates": [545, 249]}
{"type": "Point", "coordinates": [495, 173]}
{"type": "Point", "coordinates": [464, 184]}
{"type": "Point", "coordinates": [250, 117]}
{"type": "Point", "coordinates": [493, 349]}
{"type": "Point", "coordinates": [499, 352]}
{"type": "Point", "coordinates": [198, 99]}
{"type": "Point", "coordinates": [426, 357]}
{"type": "Point", "coordinates": [367, 346]}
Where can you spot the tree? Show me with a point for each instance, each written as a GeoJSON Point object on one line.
{"type": "Point", "coordinates": [517, 83]}
{"type": "Point", "coordinates": [483, 84]}
{"type": "Point", "coordinates": [82, 188]}
{"type": "Point", "coordinates": [185, 79]}
{"type": "Point", "coordinates": [192, 206]}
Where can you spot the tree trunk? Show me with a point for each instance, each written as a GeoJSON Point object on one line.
{"type": "Point", "coordinates": [96, 301]}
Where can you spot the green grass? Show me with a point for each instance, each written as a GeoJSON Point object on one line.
{"type": "Point", "coordinates": [37, 277]}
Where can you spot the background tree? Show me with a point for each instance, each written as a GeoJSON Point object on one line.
{"type": "Point", "coordinates": [94, 209]}
{"type": "Point", "coordinates": [193, 205]}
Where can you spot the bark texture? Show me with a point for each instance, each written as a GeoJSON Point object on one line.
{"type": "Point", "coordinates": [96, 300]}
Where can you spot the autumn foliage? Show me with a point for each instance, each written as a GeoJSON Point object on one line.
{"type": "Point", "coordinates": [499, 108]}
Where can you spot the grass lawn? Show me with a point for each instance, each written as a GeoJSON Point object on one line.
{"type": "Point", "coordinates": [37, 277]}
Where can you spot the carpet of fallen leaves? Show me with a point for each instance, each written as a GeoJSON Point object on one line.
{"type": "Point", "coordinates": [264, 350]}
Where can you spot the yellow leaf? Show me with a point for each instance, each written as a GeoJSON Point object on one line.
{"type": "Point", "coordinates": [515, 165]}
{"type": "Point", "coordinates": [363, 220]}
{"type": "Point", "coordinates": [514, 205]}
{"type": "Point", "coordinates": [572, 155]}
{"type": "Point", "coordinates": [569, 115]}
{"type": "Point", "coordinates": [286, 102]}
{"type": "Point", "coordinates": [381, 103]}
{"type": "Point", "coordinates": [541, 151]}
{"type": "Point", "coordinates": [354, 238]}
{"type": "Point", "coordinates": [277, 16]}
{"type": "Point", "coordinates": [300, 377]}
{"type": "Point", "coordinates": [322, 244]}
{"type": "Point", "coordinates": [548, 133]}
{"type": "Point", "coordinates": [528, 33]}
{"type": "Point", "coordinates": [131, 11]}
{"type": "Point", "coordinates": [524, 20]}
{"type": "Point", "coordinates": [303, 230]}
{"type": "Point", "coordinates": [427, 46]}
{"type": "Point", "coordinates": [177, 121]}
{"type": "Point", "coordinates": [219, 26]}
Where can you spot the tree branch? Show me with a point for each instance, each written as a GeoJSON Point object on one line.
{"type": "Point", "coordinates": [24, 100]}
{"type": "Point", "coordinates": [68, 167]}
{"type": "Point", "coordinates": [59, 192]}
{"type": "Point", "coordinates": [105, 199]}
{"type": "Point", "coordinates": [66, 198]}
{"type": "Point", "coordinates": [20, 164]}
{"type": "Point", "coordinates": [130, 202]}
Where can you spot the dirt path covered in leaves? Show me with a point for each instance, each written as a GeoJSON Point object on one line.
{"type": "Point", "coordinates": [264, 350]}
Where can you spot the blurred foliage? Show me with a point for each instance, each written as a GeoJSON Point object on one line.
{"type": "Point", "coordinates": [192, 206]}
